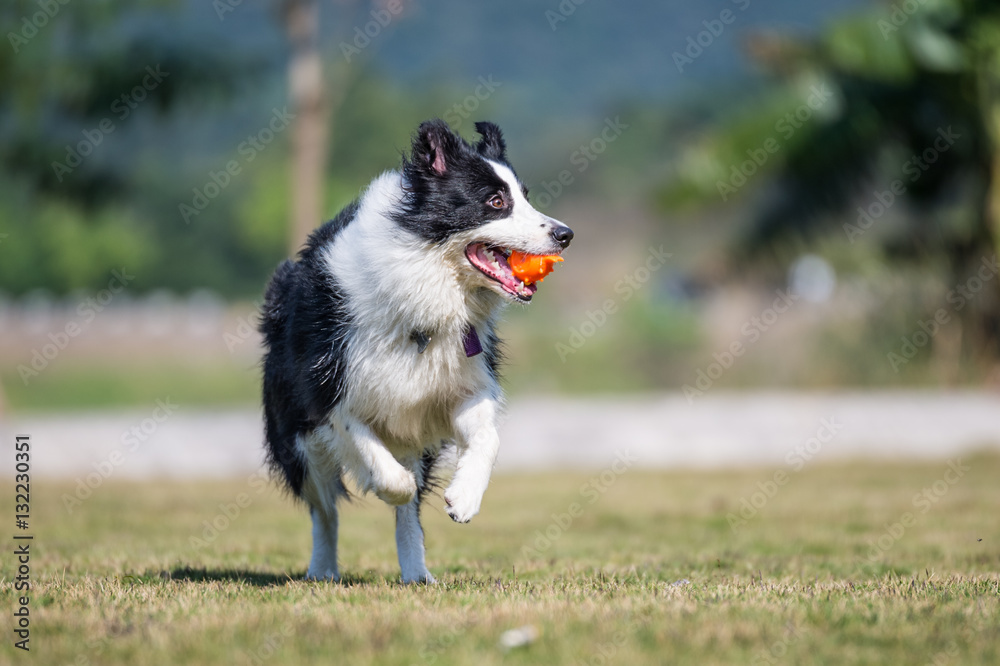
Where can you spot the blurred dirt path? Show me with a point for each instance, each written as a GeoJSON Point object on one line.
{"type": "Point", "coordinates": [665, 431]}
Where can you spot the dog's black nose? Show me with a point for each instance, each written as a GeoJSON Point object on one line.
{"type": "Point", "coordinates": [562, 235]}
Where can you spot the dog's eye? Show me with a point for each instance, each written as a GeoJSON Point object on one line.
{"type": "Point", "coordinates": [496, 201]}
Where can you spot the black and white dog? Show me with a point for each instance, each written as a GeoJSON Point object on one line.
{"type": "Point", "coordinates": [381, 350]}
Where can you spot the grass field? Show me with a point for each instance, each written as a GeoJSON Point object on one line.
{"type": "Point", "coordinates": [829, 570]}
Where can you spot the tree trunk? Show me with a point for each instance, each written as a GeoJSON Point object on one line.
{"type": "Point", "coordinates": [309, 130]}
{"type": "Point", "coordinates": [989, 101]}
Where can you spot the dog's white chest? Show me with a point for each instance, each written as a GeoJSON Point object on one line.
{"type": "Point", "coordinates": [409, 396]}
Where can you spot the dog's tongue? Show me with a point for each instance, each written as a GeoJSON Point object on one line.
{"type": "Point", "coordinates": [504, 267]}
{"type": "Point", "coordinates": [498, 266]}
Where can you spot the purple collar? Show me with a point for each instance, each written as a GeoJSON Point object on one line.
{"type": "Point", "coordinates": [471, 342]}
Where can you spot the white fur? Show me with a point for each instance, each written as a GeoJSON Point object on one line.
{"type": "Point", "coordinates": [475, 425]}
{"type": "Point", "coordinates": [323, 565]}
{"type": "Point", "coordinates": [410, 537]}
{"type": "Point", "coordinates": [526, 229]}
{"type": "Point", "coordinates": [399, 403]}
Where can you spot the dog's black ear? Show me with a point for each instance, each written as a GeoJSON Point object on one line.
{"type": "Point", "coordinates": [492, 145]}
{"type": "Point", "coordinates": [436, 147]}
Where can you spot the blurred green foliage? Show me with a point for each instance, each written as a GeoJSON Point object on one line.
{"type": "Point", "coordinates": [910, 100]}
{"type": "Point", "coordinates": [894, 81]}
{"type": "Point", "coordinates": [76, 197]}
{"type": "Point", "coordinates": [77, 200]}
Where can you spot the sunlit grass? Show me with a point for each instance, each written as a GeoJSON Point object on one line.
{"type": "Point", "coordinates": [649, 572]}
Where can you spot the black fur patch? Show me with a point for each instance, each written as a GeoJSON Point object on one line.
{"type": "Point", "coordinates": [444, 199]}
{"type": "Point", "coordinates": [429, 482]}
{"type": "Point", "coordinates": [493, 349]}
{"type": "Point", "coordinates": [492, 146]}
{"type": "Point", "coordinates": [305, 326]}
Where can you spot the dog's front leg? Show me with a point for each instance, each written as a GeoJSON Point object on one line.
{"type": "Point", "coordinates": [409, 533]}
{"type": "Point", "coordinates": [475, 425]}
{"type": "Point", "coordinates": [365, 457]}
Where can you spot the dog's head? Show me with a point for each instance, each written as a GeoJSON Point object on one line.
{"type": "Point", "coordinates": [468, 200]}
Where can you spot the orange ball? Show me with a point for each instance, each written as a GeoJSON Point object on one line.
{"type": "Point", "coordinates": [531, 268]}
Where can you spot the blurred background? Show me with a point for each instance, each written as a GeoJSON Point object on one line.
{"type": "Point", "coordinates": [782, 209]}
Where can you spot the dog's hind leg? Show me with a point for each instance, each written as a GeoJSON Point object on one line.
{"type": "Point", "coordinates": [321, 489]}
{"type": "Point", "coordinates": [409, 533]}
{"type": "Point", "coordinates": [323, 565]}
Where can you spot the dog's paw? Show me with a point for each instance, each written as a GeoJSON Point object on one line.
{"type": "Point", "coordinates": [327, 575]}
{"type": "Point", "coordinates": [462, 502]}
{"type": "Point", "coordinates": [398, 487]}
{"type": "Point", "coordinates": [423, 578]}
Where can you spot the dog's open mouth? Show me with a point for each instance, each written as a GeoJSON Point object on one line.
{"type": "Point", "coordinates": [491, 261]}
